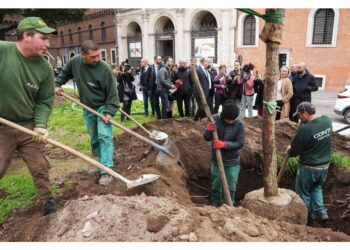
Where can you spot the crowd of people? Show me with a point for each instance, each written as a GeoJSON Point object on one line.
{"type": "Point", "coordinates": [164, 84]}
{"type": "Point", "coordinates": [28, 88]}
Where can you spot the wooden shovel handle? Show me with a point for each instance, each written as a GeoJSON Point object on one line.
{"type": "Point", "coordinates": [69, 149]}
{"type": "Point", "coordinates": [140, 137]}
{"type": "Point", "coordinates": [131, 118]}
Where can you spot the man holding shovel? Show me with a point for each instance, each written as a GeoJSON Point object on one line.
{"type": "Point", "coordinates": [231, 140]}
{"type": "Point", "coordinates": [26, 98]}
{"type": "Point", "coordinates": [98, 90]}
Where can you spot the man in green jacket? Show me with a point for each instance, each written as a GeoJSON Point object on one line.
{"type": "Point", "coordinates": [313, 144]}
{"type": "Point", "coordinates": [26, 98]}
{"type": "Point", "coordinates": [98, 90]}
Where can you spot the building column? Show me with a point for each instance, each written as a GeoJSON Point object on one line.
{"type": "Point", "coordinates": [179, 35]}
{"type": "Point", "coordinates": [145, 36]}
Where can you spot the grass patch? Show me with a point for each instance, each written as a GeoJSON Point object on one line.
{"type": "Point", "coordinates": [20, 193]}
{"type": "Point", "coordinates": [340, 161]}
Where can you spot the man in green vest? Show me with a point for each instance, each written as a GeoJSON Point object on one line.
{"type": "Point", "coordinates": [26, 98]}
{"type": "Point", "coordinates": [313, 144]}
{"type": "Point", "coordinates": [98, 90]}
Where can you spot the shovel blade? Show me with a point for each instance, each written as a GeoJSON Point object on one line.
{"type": "Point", "coordinates": [144, 179]}
{"type": "Point", "coordinates": [165, 159]}
{"type": "Point", "coordinates": [158, 135]}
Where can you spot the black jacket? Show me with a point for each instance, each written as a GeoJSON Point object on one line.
{"type": "Point", "coordinates": [187, 82]}
{"type": "Point", "coordinates": [232, 134]}
{"type": "Point", "coordinates": [145, 77]}
{"type": "Point", "coordinates": [304, 85]}
{"type": "Point", "coordinates": [235, 90]}
{"type": "Point", "coordinates": [126, 79]}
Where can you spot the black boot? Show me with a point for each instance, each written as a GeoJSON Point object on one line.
{"type": "Point", "coordinates": [50, 206]}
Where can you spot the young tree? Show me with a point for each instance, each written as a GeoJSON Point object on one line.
{"type": "Point", "coordinates": [271, 35]}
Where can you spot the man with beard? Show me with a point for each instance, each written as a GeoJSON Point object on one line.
{"type": "Point", "coordinates": [98, 90]}
{"type": "Point", "coordinates": [303, 84]}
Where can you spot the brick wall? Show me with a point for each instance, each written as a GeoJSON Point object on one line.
{"type": "Point", "coordinates": [334, 63]}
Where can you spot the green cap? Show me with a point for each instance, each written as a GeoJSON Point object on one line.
{"type": "Point", "coordinates": [35, 23]}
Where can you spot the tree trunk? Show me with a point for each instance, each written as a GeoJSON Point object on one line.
{"type": "Point", "coordinates": [272, 34]}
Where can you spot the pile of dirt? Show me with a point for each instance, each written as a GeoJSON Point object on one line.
{"type": "Point", "coordinates": [184, 186]}
{"type": "Point", "coordinates": [149, 218]}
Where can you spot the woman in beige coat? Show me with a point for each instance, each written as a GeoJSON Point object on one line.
{"type": "Point", "coordinates": [283, 94]}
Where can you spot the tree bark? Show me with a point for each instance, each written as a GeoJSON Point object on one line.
{"type": "Point", "coordinates": [271, 34]}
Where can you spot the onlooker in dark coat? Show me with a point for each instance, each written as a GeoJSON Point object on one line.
{"type": "Point", "coordinates": [184, 85]}
{"type": "Point", "coordinates": [145, 77]}
{"type": "Point", "coordinates": [126, 91]}
{"type": "Point", "coordinates": [303, 84]}
{"type": "Point", "coordinates": [207, 86]}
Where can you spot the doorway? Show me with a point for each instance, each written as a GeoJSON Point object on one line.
{"type": "Point", "coordinates": [165, 48]}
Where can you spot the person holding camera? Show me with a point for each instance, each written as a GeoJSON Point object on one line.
{"type": "Point", "coordinates": [247, 80]}
{"type": "Point", "coordinates": [234, 90]}
{"type": "Point", "coordinates": [126, 89]}
{"type": "Point", "coordinates": [98, 90]}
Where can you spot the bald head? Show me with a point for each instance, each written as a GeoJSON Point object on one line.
{"type": "Point", "coordinates": [144, 62]}
{"type": "Point", "coordinates": [301, 68]}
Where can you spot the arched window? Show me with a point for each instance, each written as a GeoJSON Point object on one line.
{"type": "Point", "coordinates": [70, 36]}
{"type": "Point", "coordinates": [323, 26]}
{"type": "Point", "coordinates": [62, 38]}
{"type": "Point", "coordinates": [103, 32]}
{"type": "Point", "coordinates": [80, 35]}
{"type": "Point", "coordinates": [249, 29]}
{"type": "Point", "coordinates": [91, 33]}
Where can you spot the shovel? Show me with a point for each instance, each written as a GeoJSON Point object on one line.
{"type": "Point", "coordinates": [169, 153]}
{"type": "Point", "coordinates": [158, 135]}
{"type": "Point", "coordinates": [215, 136]}
{"type": "Point", "coordinates": [283, 169]}
{"type": "Point", "coordinates": [145, 178]}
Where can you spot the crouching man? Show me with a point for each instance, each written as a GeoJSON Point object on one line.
{"type": "Point", "coordinates": [231, 140]}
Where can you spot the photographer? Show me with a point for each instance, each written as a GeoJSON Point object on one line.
{"type": "Point", "coordinates": [247, 80]}
{"type": "Point", "coordinates": [234, 90]}
{"type": "Point", "coordinates": [126, 88]}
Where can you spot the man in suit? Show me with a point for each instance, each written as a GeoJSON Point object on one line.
{"type": "Point", "coordinates": [207, 86]}
{"type": "Point", "coordinates": [153, 85]}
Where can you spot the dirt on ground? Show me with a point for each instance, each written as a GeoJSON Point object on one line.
{"type": "Point", "coordinates": [176, 207]}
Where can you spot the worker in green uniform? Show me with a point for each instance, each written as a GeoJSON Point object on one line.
{"type": "Point", "coordinates": [26, 98]}
{"type": "Point", "coordinates": [313, 144]}
{"type": "Point", "coordinates": [98, 90]}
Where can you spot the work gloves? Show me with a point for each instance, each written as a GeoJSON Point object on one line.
{"type": "Point", "coordinates": [217, 144]}
{"type": "Point", "coordinates": [210, 127]}
{"type": "Point", "coordinates": [41, 135]}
